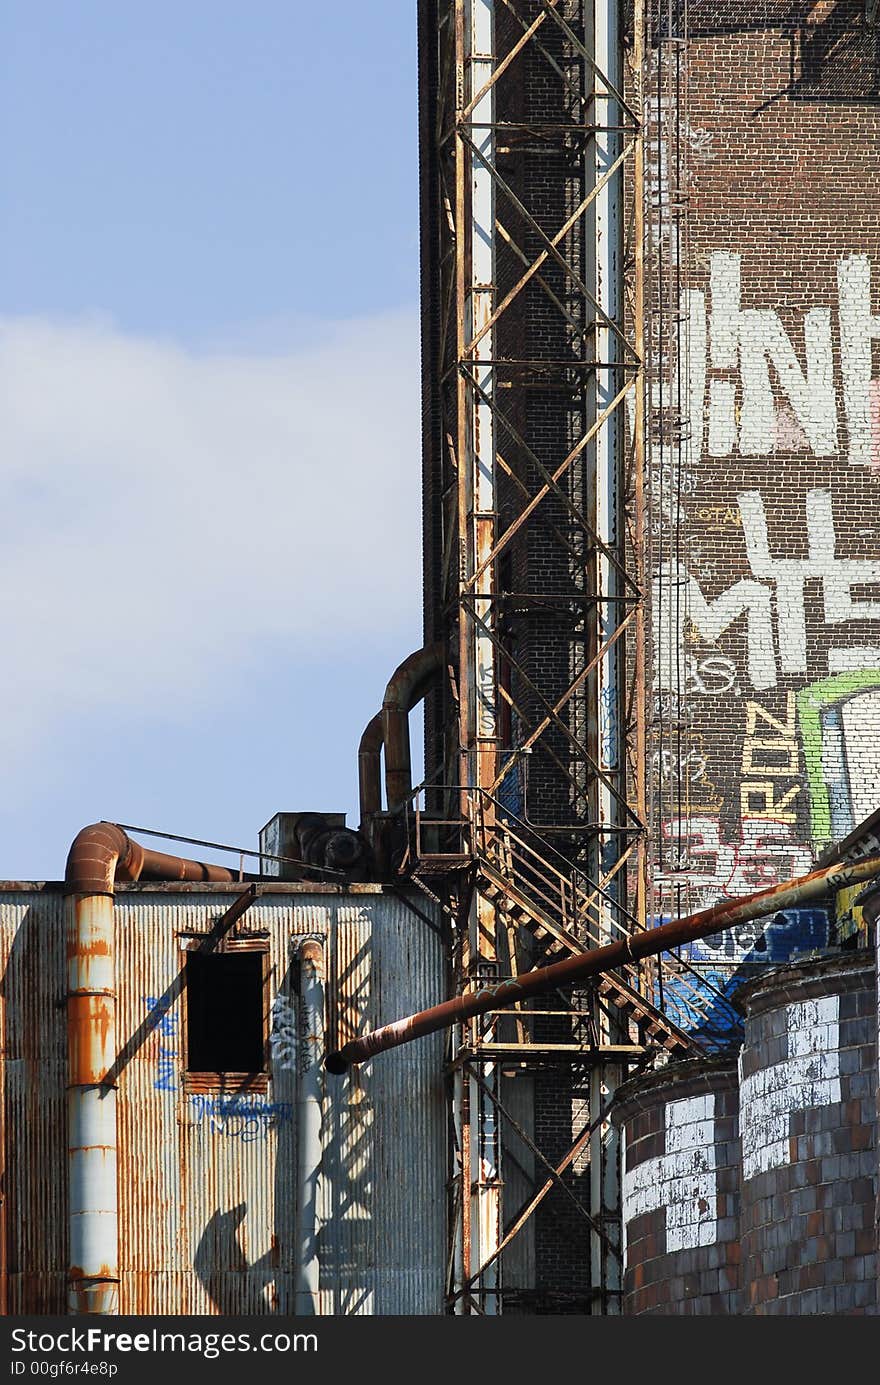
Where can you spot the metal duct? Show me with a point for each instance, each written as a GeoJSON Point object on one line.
{"type": "Point", "coordinates": [409, 682]}
{"type": "Point", "coordinates": [370, 768]}
{"type": "Point", "coordinates": [99, 855]}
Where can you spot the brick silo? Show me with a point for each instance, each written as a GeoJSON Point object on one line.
{"type": "Point", "coordinates": [808, 1123]}
{"type": "Point", "coordinates": [680, 1189]}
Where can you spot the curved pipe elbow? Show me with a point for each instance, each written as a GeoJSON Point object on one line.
{"type": "Point", "coordinates": [103, 853]}
{"type": "Point", "coordinates": [97, 855]}
{"type": "Point", "coordinates": [370, 767]}
{"type": "Point", "coordinates": [410, 680]}
{"type": "Point", "coordinates": [407, 685]}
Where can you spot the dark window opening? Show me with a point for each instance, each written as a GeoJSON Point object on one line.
{"type": "Point", "coordinates": [224, 1012]}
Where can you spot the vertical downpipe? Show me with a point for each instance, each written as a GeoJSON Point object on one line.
{"type": "Point", "coordinates": [485, 1170]}
{"type": "Point", "coordinates": [604, 1156]}
{"type": "Point", "coordinates": [93, 1283]}
{"type": "Point", "coordinates": [310, 1095]}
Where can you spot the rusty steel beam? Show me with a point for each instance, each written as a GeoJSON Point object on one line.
{"type": "Point", "coordinates": [646, 944]}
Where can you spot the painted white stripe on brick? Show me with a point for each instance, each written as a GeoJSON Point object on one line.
{"type": "Point", "coordinates": [682, 1180]}
{"type": "Point", "coordinates": [808, 1077]}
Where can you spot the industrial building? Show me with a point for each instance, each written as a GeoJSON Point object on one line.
{"type": "Point", "coordinates": [650, 265]}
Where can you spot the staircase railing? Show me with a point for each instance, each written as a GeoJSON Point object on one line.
{"type": "Point", "coordinates": [557, 890]}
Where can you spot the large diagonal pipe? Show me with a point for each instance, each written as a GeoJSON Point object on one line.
{"type": "Point", "coordinates": [646, 944]}
{"type": "Point", "coordinates": [100, 855]}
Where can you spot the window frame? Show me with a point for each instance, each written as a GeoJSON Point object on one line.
{"type": "Point", "coordinates": [194, 1082]}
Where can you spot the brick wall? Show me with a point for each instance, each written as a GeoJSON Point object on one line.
{"type": "Point", "coordinates": [680, 1190]}
{"type": "Point", "coordinates": [766, 618]}
{"type": "Point", "coordinates": [808, 1129]}
{"type": "Point", "coordinates": [753, 1191]}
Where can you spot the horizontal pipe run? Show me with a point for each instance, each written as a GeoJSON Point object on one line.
{"type": "Point", "coordinates": [103, 854]}
{"type": "Point", "coordinates": [646, 944]}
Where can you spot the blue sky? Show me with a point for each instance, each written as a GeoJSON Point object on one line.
{"type": "Point", "coordinates": [208, 409]}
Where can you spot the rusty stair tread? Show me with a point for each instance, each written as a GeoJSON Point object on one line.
{"type": "Point", "coordinates": [612, 987]}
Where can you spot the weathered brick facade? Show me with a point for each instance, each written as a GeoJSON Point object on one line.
{"type": "Point", "coordinates": [766, 621]}
{"type": "Point", "coordinates": [681, 1189]}
{"type": "Point", "coordinates": [752, 1190]}
{"type": "Point", "coordinates": [808, 1128]}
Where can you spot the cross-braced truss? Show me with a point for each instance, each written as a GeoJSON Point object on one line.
{"type": "Point", "coordinates": [533, 236]}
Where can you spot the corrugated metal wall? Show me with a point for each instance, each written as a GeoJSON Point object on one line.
{"type": "Point", "coordinates": [35, 1076]}
{"type": "Point", "coordinates": [206, 1182]}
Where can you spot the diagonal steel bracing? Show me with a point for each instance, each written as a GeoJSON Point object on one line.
{"type": "Point", "coordinates": [533, 561]}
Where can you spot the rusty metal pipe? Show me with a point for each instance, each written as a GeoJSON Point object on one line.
{"type": "Point", "coordinates": [104, 853]}
{"type": "Point", "coordinates": [646, 944]}
{"type": "Point", "coordinates": [370, 768]}
{"type": "Point", "coordinates": [93, 1285]}
{"type": "Point", "coordinates": [409, 682]}
{"type": "Point", "coordinates": [99, 856]}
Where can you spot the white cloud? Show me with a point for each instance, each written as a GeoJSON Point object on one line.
{"type": "Point", "coordinates": [167, 514]}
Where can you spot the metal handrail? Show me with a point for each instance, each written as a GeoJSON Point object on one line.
{"type": "Point", "coordinates": [692, 987]}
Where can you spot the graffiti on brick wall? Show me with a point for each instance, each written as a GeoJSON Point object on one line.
{"type": "Point", "coordinates": [772, 599]}
{"type": "Point", "coordinates": [751, 390]}
{"type": "Point", "coordinates": [766, 611]}
{"type": "Point", "coordinates": [839, 720]}
{"type": "Point", "coordinates": [765, 853]}
{"type": "Point", "coordinates": [696, 983]}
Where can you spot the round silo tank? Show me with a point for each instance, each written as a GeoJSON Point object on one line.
{"type": "Point", "coordinates": [680, 1188]}
{"type": "Point", "coordinates": [807, 1124]}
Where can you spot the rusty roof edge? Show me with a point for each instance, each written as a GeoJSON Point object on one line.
{"type": "Point", "coordinates": [266, 886]}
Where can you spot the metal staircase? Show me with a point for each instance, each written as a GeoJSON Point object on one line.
{"type": "Point", "coordinates": [555, 942]}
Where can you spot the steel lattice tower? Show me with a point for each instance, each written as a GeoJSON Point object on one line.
{"type": "Point", "coordinates": [533, 421]}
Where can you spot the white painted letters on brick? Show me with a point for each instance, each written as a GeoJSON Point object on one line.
{"type": "Point", "coordinates": [858, 328]}
{"type": "Point", "coordinates": [808, 1077]}
{"type": "Point", "coordinates": [679, 602]}
{"type": "Point", "coordinates": [749, 341]}
{"type": "Point", "coordinates": [682, 1180]}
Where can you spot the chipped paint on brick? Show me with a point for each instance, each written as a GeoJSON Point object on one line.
{"type": "Point", "coordinates": [682, 1179]}
{"type": "Point", "coordinates": [808, 1077]}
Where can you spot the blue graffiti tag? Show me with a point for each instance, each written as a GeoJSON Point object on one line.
{"type": "Point", "coordinates": [239, 1117]}
{"type": "Point", "coordinates": [166, 1023]}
